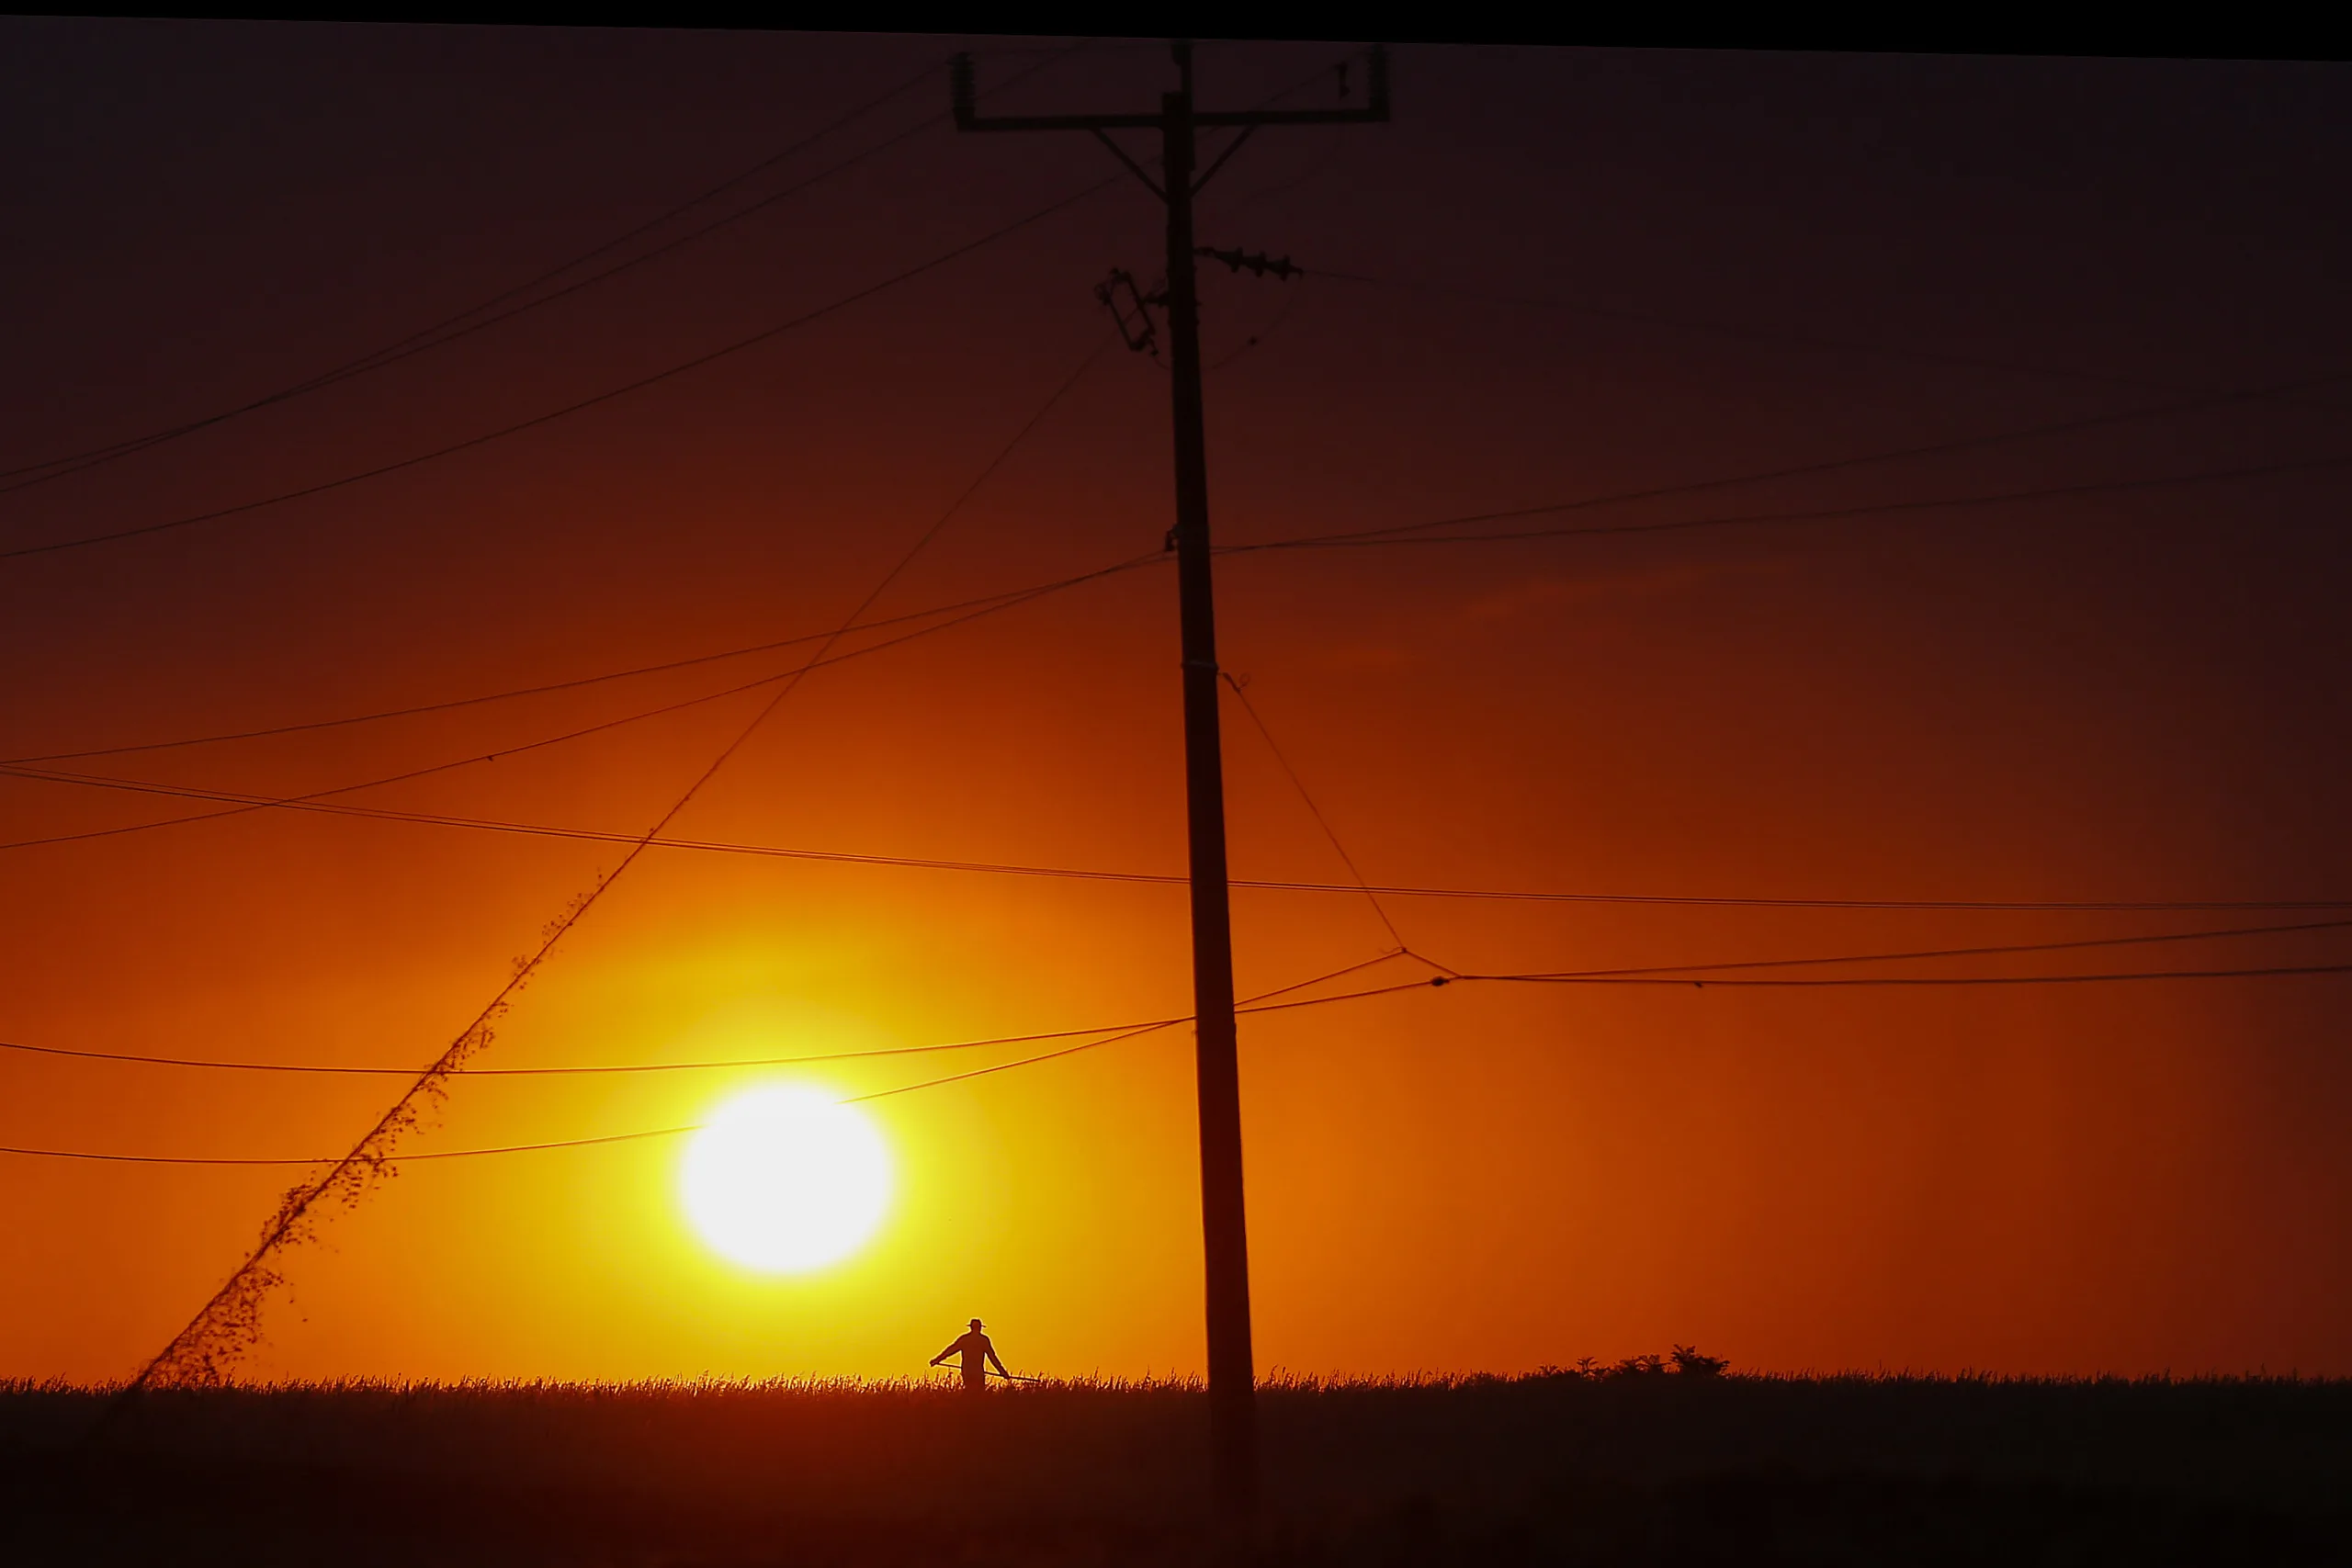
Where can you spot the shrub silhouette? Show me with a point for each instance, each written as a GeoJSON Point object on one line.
{"type": "Point", "coordinates": [1691, 1364]}
{"type": "Point", "coordinates": [1685, 1360]}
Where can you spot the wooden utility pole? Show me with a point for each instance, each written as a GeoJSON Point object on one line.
{"type": "Point", "coordinates": [1224, 1223]}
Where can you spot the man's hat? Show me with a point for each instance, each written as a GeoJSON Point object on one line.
{"type": "Point", "coordinates": [976, 1323]}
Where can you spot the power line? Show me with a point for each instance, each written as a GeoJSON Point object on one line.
{"type": "Point", "coordinates": [1833, 465]}
{"type": "Point", "coordinates": [440, 333]}
{"type": "Point", "coordinates": [310, 1068]}
{"type": "Point", "coordinates": [2006, 948]}
{"type": "Point", "coordinates": [413, 344]}
{"type": "Point", "coordinates": [1373, 537]}
{"type": "Point", "coordinates": [1104, 1029]}
{"type": "Point", "coordinates": [697, 363]}
{"type": "Point", "coordinates": [1241, 695]}
{"type": "Point", "coordinates": [1746, 330]}
{"type": "Point", "coordinates": [466, 323]}
{"type": "Point", "coordinates": [1126, 1031]}
{"type": "Point", "coordinates": [1004, 1066]}
{"type": "Point", "coordinates": [989, 602]}
{"type": "Point", "coordinates": [1731, 901]}
{"type": "Point", "coordinates": [1434, 982]}
{"type": "Point", "coordinates": [1705, 982]}
{"type": "Point", "coordinates": [1396, 535]}
{"type": "Point", "coordinates": [1079, 874]}
{"type": "Point", "coordinates": [2202, 402]}
{"type": "Point", "coordinates": [320, 800]}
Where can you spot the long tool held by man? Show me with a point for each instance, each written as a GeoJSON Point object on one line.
{"type": "Point", "coordinates": [975, 1354]}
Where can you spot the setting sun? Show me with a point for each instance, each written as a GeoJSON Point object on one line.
{"type": "Point", "coordinates": [784, 1179]}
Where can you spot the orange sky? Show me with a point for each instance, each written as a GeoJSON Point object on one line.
{"type": "Point", "coordinates": [2132, 696]}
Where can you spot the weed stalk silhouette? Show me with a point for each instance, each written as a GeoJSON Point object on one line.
{"type": "Point", "coordinates": [229, 1326]}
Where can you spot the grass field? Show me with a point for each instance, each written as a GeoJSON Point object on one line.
{"type": "Point", "coordinates": [1629, 1469]}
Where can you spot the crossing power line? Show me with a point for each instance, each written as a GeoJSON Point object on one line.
{"type": "Point", "coordinates": [626, 388]}
{"type": "Point", "coordinates": [526, 297]}
{"type": "Point", "coordinates": [473, 318]}
{"type": "Point", "coordinates": [1154, 1026]}
{"type": "Point", "coordinates": [1915, 954]}
{"type": "Point", "coordinates": [1702, 970]}
{"type": "Point", "coordinates": [1409, 534]}
{"type": "Point", "coordinates": [1747, 330]}
{"type": "Point", "coordinates": [2197, 403]}
{"type": "Point", "coordinates": [322, 1069]}
{"type": "Point", "coordinates": [324, 800]}
{"type": "Point", "coordinates": [1707, 982]}
{"type": "Point", "coordinates": [986, 603]}
{"type": "Point", "coordinates": [1396, 532]}
{"type": "Point", "coordinates": [1239, 688]}
{"type": "Point", "coordinates": [244, 803]}
{"type": "Point", "coordinates": [1263, 1002]}
{"type": "Point", "coordinates": [1392, 534]}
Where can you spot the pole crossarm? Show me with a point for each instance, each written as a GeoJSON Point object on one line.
{"type": "Point", "coordinates": [968, 118]}
{"type": "Point", "coordinates": [1205, 119]}
{"type": "Point", "coordinates": [1376, 114]}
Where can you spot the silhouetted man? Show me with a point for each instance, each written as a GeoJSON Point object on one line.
{"type": "Point", "coordinates": [978, 1354]}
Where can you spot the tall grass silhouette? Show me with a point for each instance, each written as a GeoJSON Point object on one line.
{"type": "Point", "coordinates": [1628, 1461]}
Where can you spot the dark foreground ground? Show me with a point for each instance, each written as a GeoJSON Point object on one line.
{"type": "Point", "coordinates": [1657, 1468]}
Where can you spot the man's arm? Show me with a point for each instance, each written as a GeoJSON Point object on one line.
{"type": "Point", "coordinates": [944, 1354]}
{"type": "Point", "coordinates": [1000, 1364]}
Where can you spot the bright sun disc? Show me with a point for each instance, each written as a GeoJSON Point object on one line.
{"type": "Point", "coordinates": [784, 1180]}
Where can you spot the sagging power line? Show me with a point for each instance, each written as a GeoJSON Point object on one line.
{"type": "Point", "coordinates": [1750, 329]}
{"type": "Point", "coordinates": [523, 298]}
{"type": "Point", "coordinates": [1389, 535]}
{"type": "Point", "coordinates": [986, 602]}
{"type": "Point", "coordinates": [324, 800]}
{"type": "Point", "coordinates": [1701, 970]}
{"type": "Point", "coordinates": [669, 372]}
{"type": "Point", "coordinates": [1262, 1002]}
{"type": "Point", "coordinates": [1410, 533]}
{"type": "Point", "coordinates": [320, 804]}
{"type": "Point", "coordinates": [1239, 686]}
{"type": "Point", "coordinates": [1138, 1031]}
{"type": "Point", "coordinates": [2199, 403]}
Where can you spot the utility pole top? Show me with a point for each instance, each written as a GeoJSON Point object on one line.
{"type": "Point", "coordinates": [964, 98]}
